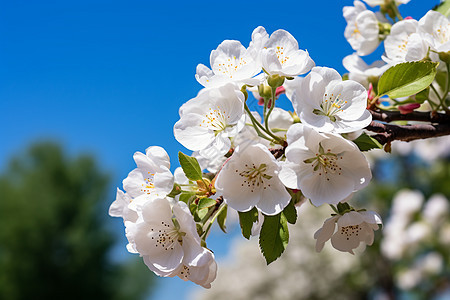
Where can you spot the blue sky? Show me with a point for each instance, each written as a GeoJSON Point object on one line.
{"type": "Point", "coordinates": [108, 77]}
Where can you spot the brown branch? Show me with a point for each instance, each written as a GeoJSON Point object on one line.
{"type": "Point", "coordinates": [387, 133]}
{"type": "Point", "coordinates": [389, 116]}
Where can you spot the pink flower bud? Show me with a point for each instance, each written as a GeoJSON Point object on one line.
{"type": "Point", "coordinates": [370, 92]}
{"type": "Point", "coordinates": [408, 108]}
{"type": "Point", "coordinates": [280, 90]}
{"type": "Point", "coordinates": [408, 18]}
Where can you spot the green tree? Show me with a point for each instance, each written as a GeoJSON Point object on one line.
{"type": "Point", "coordinates": [53, 240]}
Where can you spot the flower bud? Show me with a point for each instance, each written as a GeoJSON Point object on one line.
{"type": "Point", "coordinates": [275, 80]}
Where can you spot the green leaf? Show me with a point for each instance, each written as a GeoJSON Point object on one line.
{"type": "Point", "coordinates": [222, 218]}
{"type": "Point", "coordinates": [290, 213]}
{"type": "Point", "coordinates": [187, 197]}
{"type": "Point", "coordinates": [444, 8]}
{"type": "Point", "coordinates": [206, 203]}
{"type": "Point", "coordinates": [201, 213]}
{"type": "Point", "coordinates": [274, 237]}
{"type": "Point", "coordinates": [423, 95]}
{"type": "Point", "coordinates": [407, 78]}
{"type": "Point", "coordinates": [366, 142]}
{"type": "Point", "coordinates": [190, 166]}
{"type": "Point", "coordinates": [246, 219]}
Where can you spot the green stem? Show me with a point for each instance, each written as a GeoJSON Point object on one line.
{"type": "Point", "coordinates": [266, 117]}
{"type": "Point", "coordinates": [396, 11]}
{"type": "Point", "coordinates": [441, 99]}
{"type": "Point", "coordinates": [258, 127]}
{"type": "Point", "coordinates": [222, 207]}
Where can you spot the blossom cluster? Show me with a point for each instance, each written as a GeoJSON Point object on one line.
{"type": "Point", "coordinates": [264, 165]}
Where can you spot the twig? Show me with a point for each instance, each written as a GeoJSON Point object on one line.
{"type": "Point", "coordinates": [389, 116]}
{"type": "Point", "coordinates": [387, 133]}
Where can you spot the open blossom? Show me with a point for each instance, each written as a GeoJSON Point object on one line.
{"type": "Point", "coordinates": [360, 72]}
{"type": "Point", "coordinates": [230, 62]}
{"type": "Point", "coordinates": [326, 167]}
{"type": "Point", "coordinates": [152, 175]}
{"type": "Point", "coordinates": [120, 207]}
{"type": "Point", "coordinates": [210, 119]}
{"type": "Point", "coordinates": [362, 28]}
{"type": "Point", "coordinates": [435, 29]}
{"type": "Point", "coordinates": [404, 43]}
{"type": "Point", "coordinates": [250, 179]}
{"type": "Point", "coordinates": [322, 100]}
{"type": "Point", "coordinates": [352, 228]}
{"type": "Point", "coordinates": [165, 235]}
{"type": "Point", "coordinates": [281, 54]}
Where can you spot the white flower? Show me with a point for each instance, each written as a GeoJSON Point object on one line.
{"type": "Point", "coordinates": [326, 167]}
{"type": "Point", "coordinates": [119, 208]}
{"type": "Point", "coordinates": [282, 56]}
{"type": "Point", "coordinates": [250, 178]}
{"type": "Point", "coordinates": [212, 164]}
{"type": "Point", "coordinates": [165, 235]}
{"type": "Point", "coordinates": [406, 203]}
{"type": "Point", "coordinates": [279, 121]}
{"type": "Point", "coordinates": [404, 43]}
{"type": "Point", "coordinates": [435, 29]}
{"type": "Point", "coordinates": [259, 40]}
{"type": "Point", "coordinates": [362, 28]}
{"type": "Point", "coordinates": [352, 229]}
{"type": "Point", "coordinates": [230, 62]}
{"type": "Point", "coordinates": [152, 175]}
{"type": "Point", "coordinates": [322, 100]}
{"type": "Point", "coordinates": [360, 72]}
{"type": "Point", "coordinates": [436, 209]}
{"type": "Point", "coordinates": [210, 119]}
{"type": "Point", "coordinates": [248, 135]}
{"type": "Point", "coordinates": [374, 3]}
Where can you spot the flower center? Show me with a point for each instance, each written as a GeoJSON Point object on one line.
{"type": "Point", "coordinates": [255, 176]}
{"type": "Point", "coordinates": [167, 235]}
{"type": "Point", "coordinates": [231, 66]}
{"type": "Point", "coordinates": [280, 55]}
{"type": "Point", "coordinates": [330, 106]}
{"type": "Point", "coordinates": [356, 33]}
{"type": "Point", "coordinates": [351, 230]}
{"type": "Point", "coordinates": [148, 186]}
{"type": "Point", "coordinates": [185, 272]}
{"type": "Point", "coordinates": [443, 34]}
{"type": "Point", "coordinates": [325, 162]}
{"type": "Point", "coordinates": [215, 119]}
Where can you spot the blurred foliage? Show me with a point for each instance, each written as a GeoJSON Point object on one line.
{"type": "Point", "coordinates": [53, 240]}
{"type": "Point", "coordinates": [390, 176]}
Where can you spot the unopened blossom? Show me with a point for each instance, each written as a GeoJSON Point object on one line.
{"type": "Point", "coordinates": [435, 29]}
{"type": "Point", "coordinates": [326, 167]}
{"type": "Point", "coordinates": [405, 43]}
{"type": "Point", "coordinates": [166, 236]}
{"type": "Point", "coordinates": [352, 228]}
{"type": "Point", "coordinates": [230, 62]}
{"type": "Point", "coordinates": [250, 179]}
{"type": "Point", "coordinates": [408, 108]}
{"type": "Point", "coordinates": [362, 28]}
{"type": "Point", "coordinates": [152, 175]}
{"type": "Point", "coordinates": [209, 120]}
{"type": "Point", "coordinates": [281, 56]}
{"type": "Point", "coordinates": [119, 208]}
{"type": "Point", "coordinates": [360, 72]}
{"type": "Point", "coordinates": [322, 100]}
